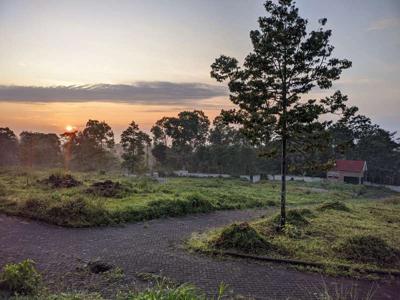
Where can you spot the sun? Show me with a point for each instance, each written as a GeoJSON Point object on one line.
{"type": "Point", "coordinates": [69, 128]}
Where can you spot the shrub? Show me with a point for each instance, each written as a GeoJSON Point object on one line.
{"type": "Point", "coordinates": [242, 237]}
{"type": "Point", "coordinates": [368, 249]}
{"type": "Point", "coordinates": [333, 205]}
{"type": "Point", "coordinates": [21, 278]}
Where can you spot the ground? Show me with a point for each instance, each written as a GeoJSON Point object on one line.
{"type": "Point", "coordinates": [29, 194]}
{"type": "Point", "coordinates": [156, 247]}
{"type": "Point", "coordinates": [140, 237]}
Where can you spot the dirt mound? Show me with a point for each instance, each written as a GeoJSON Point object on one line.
{"type": "Point", "coordinates": [369, 249]}
{"type": "Point", "coordinates": [334, 205]}
{"type": "Point", "coordinates": [106, 188]}
{"type": "Point", "coordinates": [61, 181]}
{"type": "Point", "coordinates": [244, 238]}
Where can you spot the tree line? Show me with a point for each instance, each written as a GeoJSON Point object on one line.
{"type": "Point", "coordinates": [189, 141]}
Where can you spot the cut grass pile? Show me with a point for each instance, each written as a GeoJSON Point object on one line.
{"type": "Point", "coordinates": [102, 199]}
{"type": "Point", "coordinates": [335, 205]}
{"type": "Point", "coordinates": [362, 235]}
{"type": "Point", "coordinates": [369, 249]}
{"type": "Point", "coordinates": [242, 237]}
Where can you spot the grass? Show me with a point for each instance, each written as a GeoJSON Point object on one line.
{"type": "Point", "coordinates": [127, 199]}
{"type": "Point", "coordinates": [365, 235]}
{"type": "Point", "coordinates": [21, 281]}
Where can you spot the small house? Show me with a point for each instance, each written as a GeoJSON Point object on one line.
{"type": "Point", "coordinates": [348, 171]}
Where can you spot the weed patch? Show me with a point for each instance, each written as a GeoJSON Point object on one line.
{"type": "Point", "coordinates": [21, 278]}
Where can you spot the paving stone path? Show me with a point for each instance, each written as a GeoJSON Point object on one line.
{"type": "Point", "coordinates": [156, 247]}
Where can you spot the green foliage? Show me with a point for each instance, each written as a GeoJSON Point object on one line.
{"type": "Point", "coordinates": [21, 278]}
{"type": "Point", "coordinates": [335, 205]}
{"type": "Point", "coordinates": [143, 198]}
{"type": "Point", "coordinates": [192, 203]}
{"type": "Point", "coordinates": [166, 291]}
{"type": "Point", "coordinates": [369, 249]}
{"type": "Point", "coordinates": [244, 238]}
{"type": "Point", "coordinates": [73, 212]}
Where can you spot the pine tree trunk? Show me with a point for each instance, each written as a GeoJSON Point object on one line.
{"type": "Point", "coordinates": [283, 158]}
{"type": "Point", "coordinates": [283, 182]}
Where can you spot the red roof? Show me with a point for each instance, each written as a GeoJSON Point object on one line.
{"type": "Point", "coordinates": [349, 165]}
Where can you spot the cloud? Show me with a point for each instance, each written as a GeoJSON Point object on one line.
{"type": "Point", "coordinates": [158, 92]}
{"type": "Point", "coordinates": [384, 24]}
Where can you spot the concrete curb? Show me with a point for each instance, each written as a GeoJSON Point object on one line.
{"type": "Point", "coordinates": [302, 263]}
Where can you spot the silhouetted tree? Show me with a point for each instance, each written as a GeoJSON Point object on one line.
{"type": "Point", "coordinates": [186, 132]}
{"type": "Point", "coordinates": [39, 149]}
{"type": "Point", "coordinates": [135, 143]}
{"type": "Point", "coordinates": [91, 149]}
{"type": "Point", "coordinates": [286, 63]}
{"type": "Point", "coordinates": [8, 147]}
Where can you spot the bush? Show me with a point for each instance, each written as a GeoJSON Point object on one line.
{"type": "Point", "coordinates": [333, 205]}
{"type": "Point", "coordinates": [242, 237]}
{"type": "Point", "coordinates": [369, 249]}
{"type": "Point", "coordinates": [21, 278]}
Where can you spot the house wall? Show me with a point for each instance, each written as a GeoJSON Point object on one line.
{"type": "Point", "coordinates": [338, 176]}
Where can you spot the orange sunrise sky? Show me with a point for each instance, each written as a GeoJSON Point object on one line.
{"type": "Point", "coordinates": [64, 62]}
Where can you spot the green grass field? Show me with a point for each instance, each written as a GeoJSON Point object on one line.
{"type": "Point", "coordinates": [361, 234]}
{"type": "Point", "coordinates": [23, 193]}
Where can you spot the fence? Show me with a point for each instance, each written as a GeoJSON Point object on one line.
{"type": "Point", "coordinates": [296, 178]}
{"type": "Point", "coordinates": [395, 188]}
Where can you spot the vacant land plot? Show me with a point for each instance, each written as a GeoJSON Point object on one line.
{"type": "Point", "coordinates": [354, 237]}
{"type": "Point", "coordinates": [91, 199]}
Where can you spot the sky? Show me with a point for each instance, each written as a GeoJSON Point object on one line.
{"type": "Point", "coordinates": [63, 62]}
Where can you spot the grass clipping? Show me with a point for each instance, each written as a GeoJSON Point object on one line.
{"type": "Point", "coordinates": [334, 205]}
{"type": "Point", "coordinates": [244, 238]}
{"type": "Point", "coordinates": [369, 249]}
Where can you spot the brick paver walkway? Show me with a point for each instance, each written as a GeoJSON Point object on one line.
{"type": "Point", "coordinates": [156, 247]}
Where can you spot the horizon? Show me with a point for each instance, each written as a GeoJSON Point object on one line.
{"type": "Point", "coordinates": [134, 60]}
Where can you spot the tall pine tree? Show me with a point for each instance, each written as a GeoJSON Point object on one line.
{"type": "Point", "coordinates": [270, 89]}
